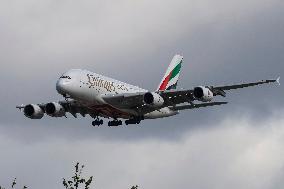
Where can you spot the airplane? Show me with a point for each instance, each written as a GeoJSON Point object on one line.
{"type": "Point", "coordinates": [88, 93]}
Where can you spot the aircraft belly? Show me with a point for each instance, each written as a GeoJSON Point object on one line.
{"type": "Point", "coordinates": [164, 112]}
{"type": "Point", "coordinates": [105, 110]}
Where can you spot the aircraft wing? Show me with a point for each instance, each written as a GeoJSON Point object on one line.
{"type": "Point", "coordinates": [125, 100]}
{"type": "Point", "coordinates": [220, 90]}
{"type": "Point", "coordinates": [243, 85]}
{"type": "Point", "coordinates": [135, 101]}
{"type": "Point", "coordinates": [173, 97]}
{"type": "Point", "coordinates": [181, 96]}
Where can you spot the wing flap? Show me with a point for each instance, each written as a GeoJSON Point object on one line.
{"type": "Point", "coordinates": [185, 107]}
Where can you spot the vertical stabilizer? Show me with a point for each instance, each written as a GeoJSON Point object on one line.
{"type": "Point", "coordinates": [171, 76]}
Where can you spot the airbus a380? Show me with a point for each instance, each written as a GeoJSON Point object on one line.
{"type": "Point", "coordinates": [86, 92]}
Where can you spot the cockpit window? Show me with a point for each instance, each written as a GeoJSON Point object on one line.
{"type": "Point", "coordinates": [65, 77]}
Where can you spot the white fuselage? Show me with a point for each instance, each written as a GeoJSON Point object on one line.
{"type": "Point", "coordinates": [89, 89]}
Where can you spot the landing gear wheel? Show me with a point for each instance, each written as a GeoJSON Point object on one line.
{"type": "Point", "coordinates": [114, 123]}
{"type": "Point", "coordinates": [133, 121]}
{"type": "Point", "coordinates": [97, 122]}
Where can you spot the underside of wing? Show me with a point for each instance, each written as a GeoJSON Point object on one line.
{"type": "Point", "coordinates": [75, 107]}
{"type": "Point", "coordinates": [126, 100]}
{"type": "Point", "coordinates": [173, 97]}
{"type": "Point", "coordinates": [132, 102]}
{"type": "Point", "coordinates": [138, 101]}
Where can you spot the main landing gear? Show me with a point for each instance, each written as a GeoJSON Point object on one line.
{"type": "Point", "coordinates": [132, 121]}
{"type": "Point", "coordinates": [114, 123]}
{"type": "Point", "coordinates": [97, 122]}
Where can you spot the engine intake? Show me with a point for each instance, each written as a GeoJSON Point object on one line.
{"type": "Point", "coordinates": [54, 109]}
{"type": "Point", "coordinates": [203, 94]}
{"type": "Point", "coordinates": [153, 99]}
{"type": "Point", "coordinates": [33, 111]}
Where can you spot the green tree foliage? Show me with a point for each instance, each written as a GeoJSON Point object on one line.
{"type": "Point", "coordinates": [75, 182]}
{"type": "Point", "coordinates": [13, 185]}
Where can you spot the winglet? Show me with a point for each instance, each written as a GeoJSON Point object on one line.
{"type": "Point", "coordinates": [278, 80]}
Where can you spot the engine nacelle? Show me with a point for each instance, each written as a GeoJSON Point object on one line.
{"type": "Point", "coordinates": [33, 111]}
{"type": "Point", "coordinates": [153, 99]}
{"type": "Point", "coordinates": [203, 94]}
{"type": "Point", "coordinates": [54, 109]}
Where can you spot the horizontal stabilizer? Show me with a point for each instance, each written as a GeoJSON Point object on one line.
{"type": "Point", "coordinates": [198, 105]}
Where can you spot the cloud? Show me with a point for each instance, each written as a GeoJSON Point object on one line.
{"type": "Point", "coordinates": [44, 34]}
{"type": "Point", "coordinates": [237, 152]}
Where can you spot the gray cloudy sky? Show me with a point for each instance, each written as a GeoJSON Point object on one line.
{"type": "Point", "coordinates": [239, 145]}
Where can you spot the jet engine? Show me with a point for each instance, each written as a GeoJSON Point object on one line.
{"type": "Point", "coordinates": [54, 109]}
{"type": "Point", "coordinates": [33, 111]}
{"type": "Point", "coordinates": [153, 99]}
{"type": "Point", "coordinates": [203, 94]}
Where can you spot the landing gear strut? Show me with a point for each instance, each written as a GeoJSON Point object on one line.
{"type": "Point", "coordinates": [97, 122]}
{"type": "Point", "coordinates": [114, 123]}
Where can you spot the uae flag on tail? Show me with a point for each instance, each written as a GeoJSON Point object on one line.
{"type": "Point", "coordinates": [171, 76]}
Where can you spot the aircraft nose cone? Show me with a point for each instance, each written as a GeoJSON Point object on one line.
{"type": "Point", "coordinates": [62, 86]}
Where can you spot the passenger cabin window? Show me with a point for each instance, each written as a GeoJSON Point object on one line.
{"type": "Point", "coordinates": [65, 77]}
